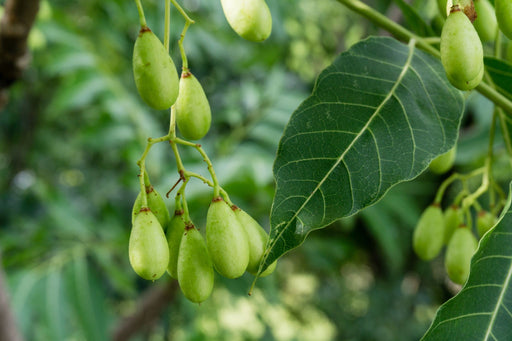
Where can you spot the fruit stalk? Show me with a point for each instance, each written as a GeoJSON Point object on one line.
{"type": "Point", "coordinates": [142, 18]}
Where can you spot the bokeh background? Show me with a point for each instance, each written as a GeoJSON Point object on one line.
{"type": "Point", "coordinates": [75, 127]}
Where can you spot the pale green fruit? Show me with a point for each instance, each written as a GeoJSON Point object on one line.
{"type": "Point", "coordinates": [174, 235]}
{"type": "Point", "coordinates": [195, 269]}
{"type": "Point", "coordinates": [459, 251]}
{"type": "Point", "coordinates": [461, 52]}
{"type": "Point", "coordinates": [452, 220]}
{"type": "Point", "coordinates": [250, 19]}
{"type": "Point", "coordinates": [155, 75]}
{"type": "Point", "coordinates": [484, 221]}
{"type": "Point", "coordinates": [444, 7]}
{"type": "Point", "coordinates": [155, 203]}
{"type": "Point", "coordinates": [443, 162]}
{"type": "Point", "coordinates": [226, 240]}
{"type": "Point", "coordinates": [193, 114]}
{"type": "Point", "coordinates": [257, 238]}
{"type": "Point", "coordinates": [147, 248]}
{"type": "Point", "coordinates": [428, 235]}
{"type": "Point", "coordinates": [485, 23]}
{"type": "Point", "coordinates": [504, 16]}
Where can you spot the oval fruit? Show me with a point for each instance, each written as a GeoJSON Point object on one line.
{"type": "Point", "coordinates": [155, 75]}
{"type": "Point", "coordinates": [428, 235]}
{"type": "Point", "coordinates": [174, 234]}
{"type": "Point", "coordinates": [484, 221]}
{"type": "Point", "coordinates": [504, 15]}
{"type": "Point", "coordinates": [193, 114]}
{"type": "Point", "coordinates": [257, 238]}
{"type": "Point", "coordinates": [443, 162]}
{"type": "Point", "coordinates": [250, 19]}
{"type": "Point", "coordinates": [147, 249]}
{"type": "Point", "coordinates": [461, 52]}
{"type": "Point", "coordinates": [485, 23]}
{"type": "Point", "coordinates": [155, 203]}
{"type": "Point", "coordinates": [226, 240]}
{"type": "Point", "coordinates": [195, 269]}
{"type": "Point", "coordinates": [452, 220]}
{"type": "Point", "coordinates": [459, 251]}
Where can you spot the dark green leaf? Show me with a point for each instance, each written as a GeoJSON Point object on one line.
{"type": "Point", "coordinates": [377, 116]}
{"type": "Point", "coordinates": [501, 74]}
{"type": "Point", "coordinates": [414, 20]}
{"type": "Point", "coordinates": [482, 310]}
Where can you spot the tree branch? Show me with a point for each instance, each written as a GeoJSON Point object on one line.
{"type": "Point", "coordinates": [15, 25]}
{"type": "Point", "coordinates": [148, 311]}
{"type": "Point", "coordinates": [8, 329]}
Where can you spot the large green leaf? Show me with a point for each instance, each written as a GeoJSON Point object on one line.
{"type": "Point", "coordinates": [482, 310]}
{"type": "Point", "coordinates": [377, 116]}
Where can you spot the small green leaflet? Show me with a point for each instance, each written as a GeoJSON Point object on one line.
{"type": "Point", "coordinates": [377, 116]}
{"type": "Point", "coordinates": [482, 310]}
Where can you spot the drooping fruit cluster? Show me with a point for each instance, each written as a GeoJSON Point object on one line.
{"type": "Point", "coordinates": [234, 242]}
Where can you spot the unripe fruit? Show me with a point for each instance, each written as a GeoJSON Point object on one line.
{"type": "Point", "coordinates": [155, 203]}
{"type": "Point", "coordinates": [155, 75]}
{"type": "Point", "coordinates": [484, 221]}
{"type": "Point", "coordinates": [195, 269]}
{"type": "Point", "coordinates": [504, 15]}
{"type": "Point", "coordinates": [147, 248]}
{"type": "Point", "coordinates": [443, 162]}
{"type": "Point", "coordinates": [444, 7]}
{"type": "Point", "coordinates": [226, 240]}
{"type": "Point", "coordinates": [461, 52]}
{"type": "Point", "coordinates": [250, 19]}
{"type": "Point", "coordinates": [257, 238]}
{"type": "Point", "coordinates": [174, 235]}
{"type": "Point", "coordinates": [428, 236]}
{"type": "Point", "coordinates": [459, 251]}
{"type": "Point", "coordinates": [193, 115]}
{"type": "Point", "coordinates": [485, 23]}
{"type": "Point", "coordinates": [452, 220]}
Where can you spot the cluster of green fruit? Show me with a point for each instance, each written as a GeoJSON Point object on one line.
{"type": "Point", "coordinates": [235, 243]}
{"type": "Point", "coordinates": [468, 24]}
{"type": "Point", "coordinates": [436, 228]}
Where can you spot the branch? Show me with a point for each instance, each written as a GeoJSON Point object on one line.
{"type": "Point", "coordinates": [15, 25]}
{"type": "Point", "coordinates": [148, 311]}
{"type": "Point", "coordinates": [8, 329]}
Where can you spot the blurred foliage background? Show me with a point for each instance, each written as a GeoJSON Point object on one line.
{"type": "Point", "coordinates": [75, 127]}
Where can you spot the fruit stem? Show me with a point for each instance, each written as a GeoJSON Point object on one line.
{"type": "Point", "coordinates": [142, 18]}
{"type": "Point", "coordinates": [454, 177]}
{"type": "Point", "coordinates": [402, 33]}
{"type": "Point", "coordinates": [181, 195]}
{"type": "Point", "coordinates": [188, 21]}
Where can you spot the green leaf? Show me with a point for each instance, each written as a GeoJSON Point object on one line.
{"type": "Point", "coordinates": [377, 116]}
{"type": "Point", "coordinates": [414, 20]}
{"type": "Point", "coordinates": [501, 74]}
{"type": "Point", "coordinates": [482, 310]}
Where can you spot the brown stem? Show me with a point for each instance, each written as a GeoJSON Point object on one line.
{"type": "Point", "coordinates": [8, 326]}
{"type": "Point", "coordinates": [149, 309]}
{"type": "Point", "coordinates": [15, 25]}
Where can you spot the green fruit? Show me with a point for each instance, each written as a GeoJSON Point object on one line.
{"type": "Point", "coordinates": [195, 269]}
{"type": "Point", "coordinates": [484, 221]}
{"type": "Point", "coordinates": [250, 19]}
{"type": "Point", "coordinates": [147, 248]}
{"type": "Point", "coordinates": [461, 52]}
{"type": "Point", "coordinates": [193, 114]}
{"type": "Point", "coordinates": [485, 23]}
{"type": "Point", "coordinates": [155, 203]}
{"type": "Point", "coordinates": [452, 220]}
{"type": "Point", "coordinates": [428, 235]}
{"type": "Point", "coordinates": [444, 7]}
{"type": "Point", "coordinates": [155, 75]}
{"type": "Point", "coordinates": [226, 240]}
{"type": "Point", "coordinates": [257, 238]}
{"type": "Point", "coordinates": [443, 162]}
{"type": "Point", "coordinates": [174, 234]}
{"type": "Point", "coordinates": [459, 251]}
{"type": "Point", "coordinates": [504, 15]}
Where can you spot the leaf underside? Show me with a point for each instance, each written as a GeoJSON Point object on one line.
{"type": "Point", "coordinates": [482, 310]}
{"type": "Point", "coordinates": [377, 116]}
